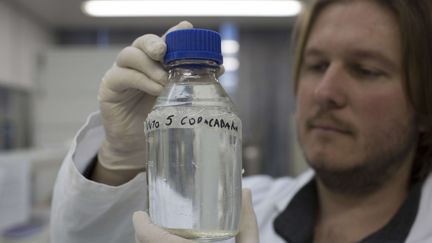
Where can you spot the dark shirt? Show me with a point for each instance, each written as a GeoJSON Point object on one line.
{"type": "Point", "coordinates": [296, 223]}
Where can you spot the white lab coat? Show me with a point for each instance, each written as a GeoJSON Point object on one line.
{"type": "Point", "coordinates": [86, 211]}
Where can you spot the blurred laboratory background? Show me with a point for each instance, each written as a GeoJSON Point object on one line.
{"type": "Point", "coordinates": [53, 54]}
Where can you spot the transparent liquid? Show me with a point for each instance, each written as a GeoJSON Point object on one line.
{"type": "Point", "coordinates": [194, 171]}
{"type": "Point", "coordinates": [203, 236]}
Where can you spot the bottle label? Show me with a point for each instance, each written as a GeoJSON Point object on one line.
{"type": "Point", "coordinates": [192, 117]}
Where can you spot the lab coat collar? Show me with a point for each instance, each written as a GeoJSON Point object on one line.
{"type": "Point", "coordinates": [282, 202]}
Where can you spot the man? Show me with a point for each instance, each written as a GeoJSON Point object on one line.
{"type": "Point", "coordinates": [364, 123]}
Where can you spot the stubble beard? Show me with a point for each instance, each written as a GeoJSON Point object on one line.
{"type": "Point", "coordinates": [385, 153]}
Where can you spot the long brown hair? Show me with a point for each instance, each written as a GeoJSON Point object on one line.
{"type": "Point", "coordinates": [415, 23]}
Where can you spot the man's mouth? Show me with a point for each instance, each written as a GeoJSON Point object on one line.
{"type": "Point", "coordinates": [328, 127]}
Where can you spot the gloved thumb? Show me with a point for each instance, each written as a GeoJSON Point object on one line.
{"type": "Point", "coordinates": [147, 232]}
{"type": "Point", "coordinates": [248, 224]}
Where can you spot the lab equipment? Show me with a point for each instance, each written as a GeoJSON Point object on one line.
{"type": "Point", "coordinates": [194, 143]}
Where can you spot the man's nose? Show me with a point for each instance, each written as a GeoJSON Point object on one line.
{"type": "Point", "coordinates": [330, 90]}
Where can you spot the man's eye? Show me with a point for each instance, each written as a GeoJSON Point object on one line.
{"type": "Point", "coordinates": [316, 67]}
{"type": "Point", "coordinates": [365, 72]}
{"type": "Point", "coordinates": [368, 72]}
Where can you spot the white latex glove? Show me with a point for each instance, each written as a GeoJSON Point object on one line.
{"type": "Point", "coordinates": [147, 232]}
{"type": "Point", "coordinates": [126, 96]}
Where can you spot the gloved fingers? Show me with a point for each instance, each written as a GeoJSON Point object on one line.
{"type": "Point", "coordinates": [134, 58]}
{"type": "Point", "coordinates": [153, 45]}
{"type": "Point", "coordinates": [180, 26]}
{"type": "Point", "coordinates": [220, 71]}
{"type": "Point", "coordinates": [248, 224]}
{"type": "Point", "coordinates": [119, 79]}
{"type": "Point", "coordinates": [147, 232]}
{"type": "Point", "coordinates": [137, 240]}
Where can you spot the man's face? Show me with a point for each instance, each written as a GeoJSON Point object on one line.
{"type": "Point", "coordinates": [352, 115]}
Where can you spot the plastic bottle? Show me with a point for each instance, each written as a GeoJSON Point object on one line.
{"type": "Point", "coordinates": [194, 144]}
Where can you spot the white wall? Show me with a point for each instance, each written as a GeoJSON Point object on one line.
{"type": "Point", "coordinates": [21, 40]}
{"type": "Point", "coordinates": [67, 91]}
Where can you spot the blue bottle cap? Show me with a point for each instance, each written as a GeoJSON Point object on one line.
{"type": "Point", "coordinates": [198, 44]}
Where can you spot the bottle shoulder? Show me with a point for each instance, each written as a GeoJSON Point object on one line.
{"type": "Point", "coordinates": [197, 94]}
{"type": "Point", "coordinates": [222, 104]}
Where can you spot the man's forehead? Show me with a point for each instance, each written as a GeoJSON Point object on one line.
{"type": "Point", "coordinates": [343, 27]}
{"type": "Point", "coordinates": [364, 15]}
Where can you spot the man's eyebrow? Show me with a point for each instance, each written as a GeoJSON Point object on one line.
{"type": "Point", "coordinates": [358, 54]}
{"type": "Point", "coordinates": [313, 52]}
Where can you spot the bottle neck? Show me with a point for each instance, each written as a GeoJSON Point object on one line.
{"type": "Point", "coordinates": [192, 71]}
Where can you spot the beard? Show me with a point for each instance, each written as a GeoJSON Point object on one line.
{"type": "Point", "coordinates": [384, 153]}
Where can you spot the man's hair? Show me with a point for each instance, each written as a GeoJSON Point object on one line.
{"type": "Point", "coordinates": [415, 23]}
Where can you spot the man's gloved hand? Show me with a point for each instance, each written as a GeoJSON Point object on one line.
{"type": "Point", "coordinates": [126, 95]}
{"type": "Point", "coordinates": [146, 232]}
